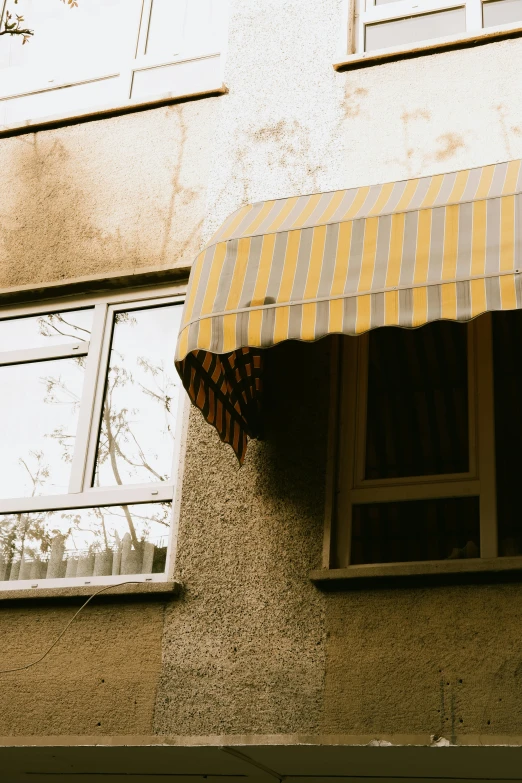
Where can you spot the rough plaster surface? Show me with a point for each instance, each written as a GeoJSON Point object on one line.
{"type": "Point", "coordinates": [292, 125]}
{"type": "Point", "coordinates": [441, 660]}
{"type": "Point", "coordinates": [243, 649]}
{"type": "Point", "coordinates": [100, 679]}
{"type": "Point", "coordinates": [252, 646]}
{"type": "Point", "coordinates": [120, 193]}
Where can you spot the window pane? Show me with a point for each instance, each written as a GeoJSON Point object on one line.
{"type": "Point", "coordinates": [178, 26]}
{"type": "Point", "coordinates": [41, 330]}
{"type": "Point", "coordinates": [138, 424]}
{"type": "Point", "coordinates": [167, 26]}
{"type": "Point", "coordinates": [507, 339]}
{"type": "Point", "coordinates": [40, 407]}
{"type": "Point", "coordinates": [417, 415]}
{"type": "Point", "coordinates": [66, 38]}
{"type": "Point", "coordinates": [118, 540]}
{"type": "Point", "coordinates": [415, 28]}
{"type": "Point", "coordinates": [502, 12]}
{"type": "Point", "coordinates": [441, 529]}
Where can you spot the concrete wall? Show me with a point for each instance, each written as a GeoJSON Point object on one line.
{"type": "Point", "coordinates": [114, 194]}
{"type": "Point", "coordinates": [252, 646]}
{"type": "Point", "coordinates": [120, 194]}
{"type": "Point", "coordinates": [101, 679]}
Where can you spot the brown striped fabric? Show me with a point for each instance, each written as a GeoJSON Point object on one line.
{"type": "Point", "coordinates": [400, 254]}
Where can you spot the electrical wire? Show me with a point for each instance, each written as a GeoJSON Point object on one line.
{"type": "Point", "coordinates": [73, 618]}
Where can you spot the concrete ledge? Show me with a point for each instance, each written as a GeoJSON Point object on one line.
{"type": "Point", "coordinates": [292, 759]}
{"type": "Point", "coordinates": [499, 566]}
{"type": "Point", "coordinates": [363, 59]}
{"type": "Point", "coordinates": [95, 284]}
{"type": "Point", "coordinates": [143, 590]}
{"type": "Point", "coordinates": [111, 110]}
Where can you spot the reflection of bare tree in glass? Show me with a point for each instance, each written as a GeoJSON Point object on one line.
{"type": "Point", "coordinates": [117, 440]}
{"type": "Point", "coordinates": [18, 530]}
{"type": "Point", "coordinates": [116, 434]}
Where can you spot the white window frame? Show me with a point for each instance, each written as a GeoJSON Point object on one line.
{"type": "Point", "coordinates": [197, 70]}
{"type": "Point", "coordinates": [346, 484]}
{"type": "Point", "coordinates": [81, 493]}
{"type": "Point", "coordinates": [357, 14]}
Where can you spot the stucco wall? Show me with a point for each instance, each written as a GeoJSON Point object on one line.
{"type": "Point", "coordinates": [292, 125]}
{"type": "Point", "coordinates": [250, 636]}
{"type": "Point", "coordinates": [244, 648]}
{"type": "Point", "coordinates": [114, 194]}
{"type": "Point", "coordinates": [100, 679]}
{"type": "Point", "coordinates": [252, 646]}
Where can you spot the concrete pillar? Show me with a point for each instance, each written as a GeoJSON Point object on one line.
{"type": "Point", "coordinates": [85, 565]}
{"type": "Point", "coordinates": [148, 558]}
{"type": "Point", "coordinates": [15, 570]}
{"type": "Point", "coordinates": [116, 561]}
{"type": "Point", "coordinates": [37, 570]}
{"type": "Point", "coordinates": [55, 560]}
{"type": "Point", "coordinates": [103, 563]}
{"type": "Point", "coordinates": [126, 549]}
{"type": "Point", "coordinates": [72, 567]}
{"type": "Point", "coordinates": [25, 568]}
{"type": "Point", "coordinates": [131, 560]}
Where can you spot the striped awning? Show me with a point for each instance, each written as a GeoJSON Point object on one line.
{"type": "Point", "coordinates": [401, 254]}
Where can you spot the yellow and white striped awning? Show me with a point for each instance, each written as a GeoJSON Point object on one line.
{"type": "Point", "coordinates": [400, 254]}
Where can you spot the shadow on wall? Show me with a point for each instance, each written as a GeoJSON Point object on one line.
{"type": "Point", "coordinates": [98, 197]}
{"type": "Point", "coordinates": [297, 381]}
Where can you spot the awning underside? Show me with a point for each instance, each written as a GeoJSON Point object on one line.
{"type": "Point", "coordinates": [401, 254]}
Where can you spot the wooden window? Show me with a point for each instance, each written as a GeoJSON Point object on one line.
{"type": "Point", "coordinates": [93, 419]}
{"type": "Point", "coordinates": [107, 54]}
{"type": "Point", "coordinates": [395, 24]}
{"type": "Point", "coordinates": [416, 476]}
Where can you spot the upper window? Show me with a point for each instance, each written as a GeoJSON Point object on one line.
{"type": "Point", "coordinates": [385, 24]}
{"type": "Point", "coordinates": [90, 404]}
{"type": "Point", "coordinates": [430, 455]}
{"type": "Point", "coordinates": [108, 53]}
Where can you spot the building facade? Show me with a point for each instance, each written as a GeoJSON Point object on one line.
{"type": "Point", "coordinates": [233, 639]}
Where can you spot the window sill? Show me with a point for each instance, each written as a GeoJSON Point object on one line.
{"type": "Point", "coordinates": [152, 589]}
{"type": "Point", "coordinates": [448, 43]}
{"type": "Point", "coordinates": [109, 110]}
{"type": "Point", "coordinates": [360, 574]}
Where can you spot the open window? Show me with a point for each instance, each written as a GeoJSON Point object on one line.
{"type": "Point", "coordinates": [428, 444]}
{"type": "Point", "coordinates": [91, 436]}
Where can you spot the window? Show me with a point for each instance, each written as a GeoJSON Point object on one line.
{"type": "Point", "coordinates": [391, 24]}
{"type": "Point", "coordinates": [91, 410]}
{"type": "Point", "coordinates": [109, 53]}
{"type": "Point", "coordinates": [429, 452]}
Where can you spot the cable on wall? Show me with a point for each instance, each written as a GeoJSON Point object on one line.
{"type": "Point", "coordinates": [73, 618]}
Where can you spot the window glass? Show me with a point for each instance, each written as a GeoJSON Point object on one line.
{"type": "Point", "coordinates": [42, 330]}
{"type": "Point", "coordinates": [501, 12]}
{"type": "Point", "coordinates": [168, 20]}
{"type": "Point", "coordinates": [40, 405]}
{"type": "Point", "coordinates": [136, 439]}
{"type": "Point", "coordinates": [441, 529]}
{"type": "Point", "coordinates": [415, 28]}
{"type": "Point", "coordinates": [179, 26]}
{"type": "Point", "coordinates": [66, 37]}
{"type": "Point", "coordinates": [118, 540]}
{"type": "Point", "coordinates": [417, 403]}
